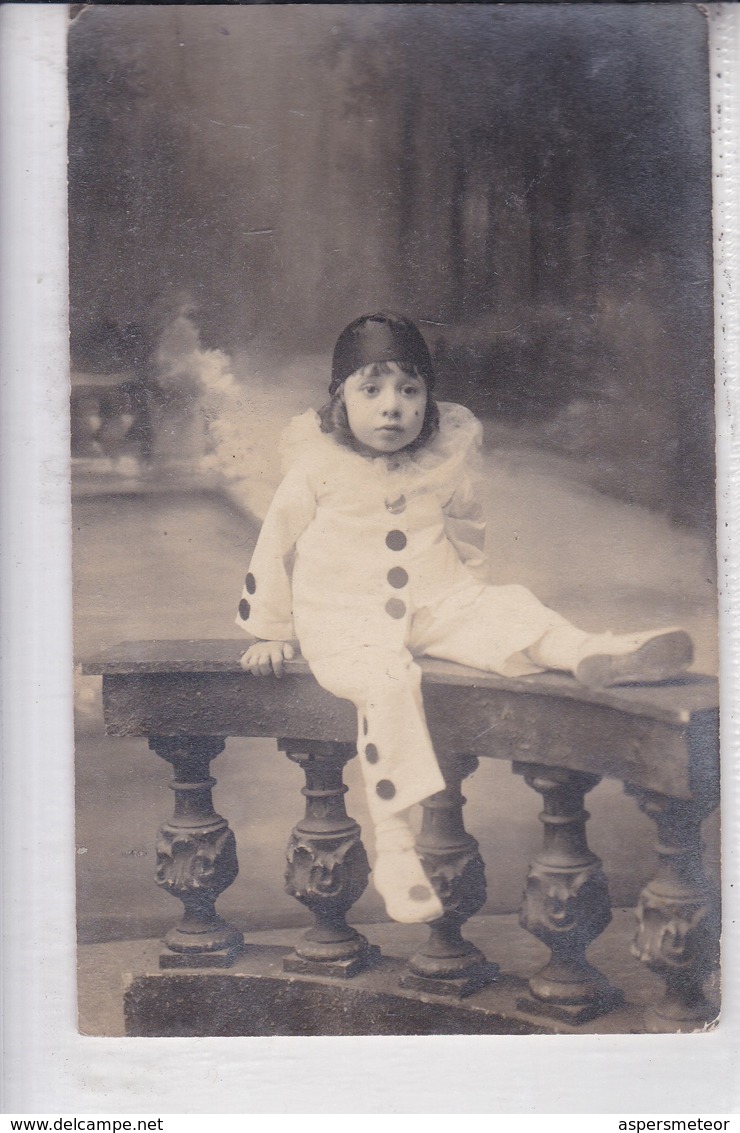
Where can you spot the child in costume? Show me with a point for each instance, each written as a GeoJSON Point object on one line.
{"type": "Point", "coordinates": [372, 554]}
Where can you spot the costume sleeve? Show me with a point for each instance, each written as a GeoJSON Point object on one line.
{"type": "Point", "coordinates": [266, 606]}
{"type": "Point", "coordinates": [465, 527]}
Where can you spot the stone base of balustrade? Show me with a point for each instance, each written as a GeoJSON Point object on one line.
{"type": "Point", "coordinates": [220, 958]}
{"type": "Point", "coordinates": [452, 987]}
{"type": "Point", "coordinates": [336, 969]}
{"type": "Point", "coordinates": [258, 998]}
{"type": "Point", "coordinates": [573, 1013]}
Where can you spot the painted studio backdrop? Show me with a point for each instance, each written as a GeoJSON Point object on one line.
{"type": "Point", "coordinates": [529, 183]}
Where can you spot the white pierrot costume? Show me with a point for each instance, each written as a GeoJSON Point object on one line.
{"type": "Point", "coordinates": [371, 561]}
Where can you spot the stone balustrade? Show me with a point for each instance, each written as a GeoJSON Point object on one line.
{"type": "Point", "coordinates": [661, 741]}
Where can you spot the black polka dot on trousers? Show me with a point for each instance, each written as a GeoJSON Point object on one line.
{"type": "Point", "coordinates": [244, 609]}
{"type": "Point", "coordinates": [385, 789]}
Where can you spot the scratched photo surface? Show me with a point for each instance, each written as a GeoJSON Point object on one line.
{"type": "Point", "coordinates": [531, 185]}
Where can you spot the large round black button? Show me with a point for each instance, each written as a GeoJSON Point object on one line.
{"type": "Point", "coordinates": [395, 540]}
{"type": "Point", "coordinates": [395, 607]}
{"type": "Point", "coordinates": [251, 583]}
{"type": "Point", "coordinates": [385, 789]}
{"type": "Point", "coordinates": [244, 609]}
{"type": "Point", "coordinates": [397, 577]}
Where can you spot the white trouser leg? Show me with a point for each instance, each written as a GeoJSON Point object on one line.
{"type": "Point", "coordinates": [398, 763]}
{"type": "Point", "coordinates": [489, 627]}
{"type": "Point", "coordinates": [506, 630]}
{"type": "Point", "coordinates": [399, 875]}
{"type": "Point", "coordinates": [560, 648]}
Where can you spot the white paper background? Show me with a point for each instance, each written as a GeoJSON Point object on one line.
{"type": "Point", "coordinates": [48, 1066]}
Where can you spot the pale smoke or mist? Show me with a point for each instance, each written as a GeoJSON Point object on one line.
{"type": "Point", "coordinates": [230, 412]}
{"type": "Point", "coordinates": [243, 419]}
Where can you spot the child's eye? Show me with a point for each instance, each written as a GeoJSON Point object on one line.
{"type": "Point", "coordinates": [411, 390]}
{"type": "Point", "coordinates": [370, 390]}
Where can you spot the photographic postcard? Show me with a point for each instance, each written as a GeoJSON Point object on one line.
{"type": "Point", "coordinates": [531, 186]}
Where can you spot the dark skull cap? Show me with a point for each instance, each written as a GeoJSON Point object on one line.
{"type": "Point", "coordinates": [383, 337]}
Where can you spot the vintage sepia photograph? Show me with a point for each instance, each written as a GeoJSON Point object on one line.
{"type": "Point", "coordinates": [393, 513]}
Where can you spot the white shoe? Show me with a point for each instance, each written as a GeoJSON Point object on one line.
{"type": "Point", "coordinates": [399, 876]}
{"type": "Point", "coordinates": [406, 890]}
{"type": "Point", "coordinates": [608, 659]}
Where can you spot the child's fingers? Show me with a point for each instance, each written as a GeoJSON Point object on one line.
{"type": "Point", "coordinates": [250, 660]}
{"type": "Point", "coordinates": [263, 659]}
{"type": "Point", "coordinates": [285, 652]}
{"type": "Point", "coordinates": [254, 660]}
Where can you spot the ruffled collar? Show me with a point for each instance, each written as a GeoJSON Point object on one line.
{"type": "Point", "coordinates": [456, 444]}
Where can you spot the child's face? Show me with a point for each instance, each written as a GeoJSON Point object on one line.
{"type": "Point", "coordinates": [385, 412]}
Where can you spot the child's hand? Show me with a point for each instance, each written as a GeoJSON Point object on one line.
{"type": "Point", "coordinates": [265, 657]}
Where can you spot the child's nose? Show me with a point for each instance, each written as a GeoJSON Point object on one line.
{"type": "Point", "coordinates": [392, 404]}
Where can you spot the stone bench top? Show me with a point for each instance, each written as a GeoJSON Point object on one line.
{"type": "Point", "coordinates": [662, 737]}
{"type": "Point", "coordinates": [674, 702]}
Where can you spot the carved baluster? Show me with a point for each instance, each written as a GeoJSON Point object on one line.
{"type": "Point", "coordinates": [448, 964]}
{"type": "Point", "coordinates": [327, 865]}
{"type": "Point", "coordinates": [678, 930]}
{"type": "Point", "coordinates": [566, 901]}
{"type": "Point", "coordinates": [196, 857]}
